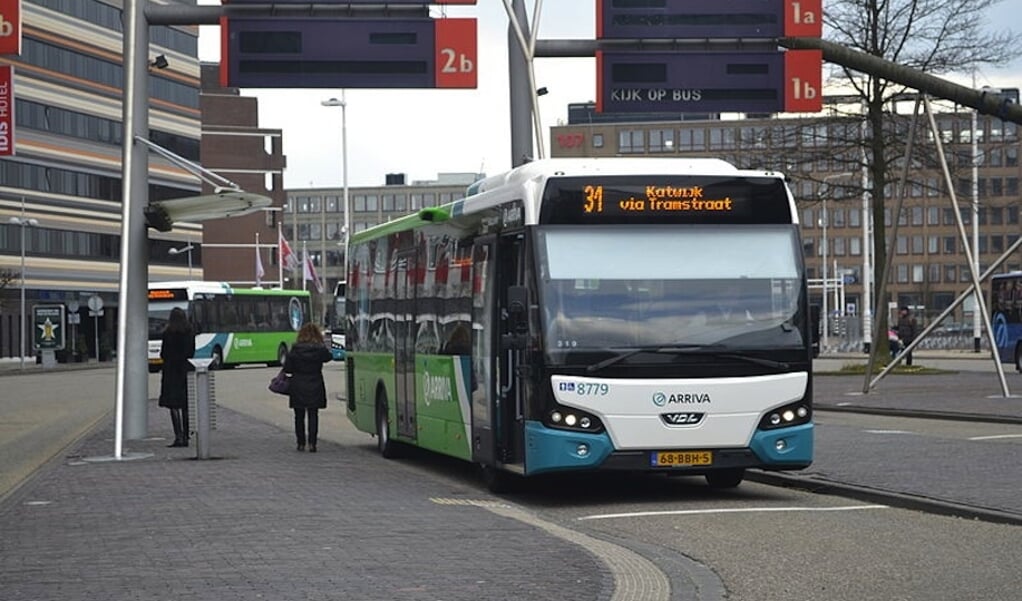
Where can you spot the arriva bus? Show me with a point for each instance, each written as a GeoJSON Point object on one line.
{"type": "Point", "coordinates": [589, 314]}
{"type": "Point", "coordinates": [1006, 316]}
{"type": "Point", "coordinates": [233, 326]}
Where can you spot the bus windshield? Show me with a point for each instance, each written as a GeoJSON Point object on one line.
{"type": "Point", "coordinates": [159, 313]}
{"type": "Point", "coordinates": [733, 287]}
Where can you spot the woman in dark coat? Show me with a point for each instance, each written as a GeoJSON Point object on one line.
{"type": "Point", "coordinates": [307, 394]}
{"type": "Point", "coordinates": [177, 348]}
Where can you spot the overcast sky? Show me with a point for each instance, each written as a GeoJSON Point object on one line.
{"type": "Point", "coordinates": [425, 132]}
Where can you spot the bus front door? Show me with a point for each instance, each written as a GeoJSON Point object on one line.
{"type": "Point", "coordinates": [404, 343]}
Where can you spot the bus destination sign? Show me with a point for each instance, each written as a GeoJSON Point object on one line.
{"type": "Point", "coordinates": [669, 199]}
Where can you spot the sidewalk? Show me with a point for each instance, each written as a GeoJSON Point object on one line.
{"type": "Point", "coordinates": [261, 521]}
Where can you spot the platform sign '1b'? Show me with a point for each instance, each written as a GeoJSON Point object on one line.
{"type": "Point", "coordinates": [677, 82]}
{"type": "Point", "coordinates": [264, 52]}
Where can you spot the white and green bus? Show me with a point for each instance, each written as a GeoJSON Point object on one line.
{"type": "Point", "coordinates": [589, 314]}
{"type": "Point", "coordinates": [233, 326]}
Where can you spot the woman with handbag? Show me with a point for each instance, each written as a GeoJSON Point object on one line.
{"type": "Point", "coordinates": [176, 348]}
{"type": "Point", "coordinates": [307, 390]}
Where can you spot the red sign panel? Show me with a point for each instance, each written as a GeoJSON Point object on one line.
{"type": "Point", "coordinates": [803, 18]}
{"type": "Point", "coordinates": [6, 110]}
{"type": "Point", "coordinates": [456, 53]}
{"type": "Point", "coordinates": [10, 26]}
{"type": "Point", "coordinates": [803, 81]}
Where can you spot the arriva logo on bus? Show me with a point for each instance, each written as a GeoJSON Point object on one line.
{"type": "Point", "coordinates": [660, 399]}
{"type": "Point", "coordinates": [435, 388]}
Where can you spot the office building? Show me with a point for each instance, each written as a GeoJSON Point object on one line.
{"type": "Point", "coordinates": [64, 176]}
{"type": "Point", "coordinates": [820, 154]}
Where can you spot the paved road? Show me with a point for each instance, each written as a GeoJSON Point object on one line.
{"type": "Point", "coordinates": [224, 528]}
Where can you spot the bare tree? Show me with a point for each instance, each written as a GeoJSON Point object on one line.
{"type": "Point", "coordinates": [6, 277]}
{"type": "Point", "coordinates": [933, 36]}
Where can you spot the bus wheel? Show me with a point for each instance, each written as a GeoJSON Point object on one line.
{"type": "Point", "coordinates": [725, 478]}
{"type": "Point", "coordinates": [281, 355]}
{"type": "Point", "coordinates": [497, 480]}
{"type": "Point", "coordinates": [386, 446]}
{"type": "Point", "coordinates": [217, 358]}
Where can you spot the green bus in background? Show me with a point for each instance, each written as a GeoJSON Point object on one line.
{"type": "Point", "coordinates": [233, 326]}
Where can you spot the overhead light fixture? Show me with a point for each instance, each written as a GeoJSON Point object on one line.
{"type": "Point", "coordinates": [160, 62]}
{"type": "Point", "coordinates": [542, 91]}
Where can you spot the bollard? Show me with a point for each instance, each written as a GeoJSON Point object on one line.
{"type": "Point", "coordinates": [203, 405]}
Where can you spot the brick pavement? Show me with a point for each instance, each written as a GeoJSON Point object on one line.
{"type": "Point", "coordinates": [261, 521]}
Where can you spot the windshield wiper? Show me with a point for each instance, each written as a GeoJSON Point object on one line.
{"type": "Point", "coordinates": [710, 349]}
{"type": "Point", "coordinates": [653, 348]}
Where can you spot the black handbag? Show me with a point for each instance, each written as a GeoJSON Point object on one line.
{"type": "Point", "coordinates": [281, 383]}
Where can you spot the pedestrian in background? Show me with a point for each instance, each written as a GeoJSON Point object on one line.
{"type": "Point", "coordinates": [906, 331]}
{"type": "Point", "coordinates": [178, 346]}
{"type": "Point", "coordinates": [307, 394]}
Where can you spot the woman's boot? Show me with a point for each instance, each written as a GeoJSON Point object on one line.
{"type": "Point", "coordinates": [175, 420]}
{"type": "Point", "coordinates": [186, 432]}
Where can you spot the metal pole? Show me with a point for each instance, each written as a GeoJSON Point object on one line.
{"type": "Point", "coordinates": [826, 313]}
{"type": "Point", "coordinates": [132, 396]}
{"type": "Point", "coordinates": [976, 331]}
{"type": "Point", "coordinates": [867, 248]}
{"type": "Point", "coordinates": [203, 413]}
{"type": "Point", "coordinates": [519, 88]}
{"type": "Point", "coordinates": [344, 161]}
{"type": "Point", "coordinates": [21, 337]}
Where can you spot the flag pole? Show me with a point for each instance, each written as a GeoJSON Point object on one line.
{"type": "Point", "coordinates": [280, 259]}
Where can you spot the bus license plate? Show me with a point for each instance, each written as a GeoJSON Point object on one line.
{"type": "Point", "coordinates": [681, 458]}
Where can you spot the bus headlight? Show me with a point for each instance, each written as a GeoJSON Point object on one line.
{"type": "Point", "coordinates": [794, 414]}
{"type": "Point", "coordinates": [566, 418]}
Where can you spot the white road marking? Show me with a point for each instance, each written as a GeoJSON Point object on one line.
{"type": "Point", "coordinates": [726, 510]}
{"type": "Point", "coordinates": [888, 432]}
{"type": "Point", "coordinates": [995, 436]}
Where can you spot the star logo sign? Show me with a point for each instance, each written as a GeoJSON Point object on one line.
{"type": "Point", "coordinates": [48, 329]}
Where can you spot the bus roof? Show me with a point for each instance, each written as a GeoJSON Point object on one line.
{"type": "Point", "coordinates": [489, 192]}
{"type": "Point", "coordinates": [204, 287]}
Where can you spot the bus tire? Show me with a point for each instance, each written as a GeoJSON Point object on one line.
{"type": "Point", "coordinates": [386, 446]}
{"type": "Point", "coordinates": [281, 355]}
{"type": "Point", "coordinates": [497, 480]}
{"type": "Point", "coordinates": [217, 359]}
{"type": "Point", "coordinates": [729, 478]}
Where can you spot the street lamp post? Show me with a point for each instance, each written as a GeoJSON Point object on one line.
{"type": "Point", "coordinates": [344, 172]}
{"type": "Point", "coordinates": [824, 192]}
{"type": "Point", "coordinates": [23, 223]}
{"type": "Point", "coordinates": [188, 249]}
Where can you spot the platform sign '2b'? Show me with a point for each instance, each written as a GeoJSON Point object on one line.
{"type": "Point", "coordinates": [348, 53]}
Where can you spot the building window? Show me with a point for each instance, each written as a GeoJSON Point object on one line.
{"type": "Point", "coordinates": [902, 246]}
{"type": "Point", "coordinates": [933, 245]}
{"type": "Point", "coordinates": [917, 245]}
{"type": "Point", "coordinates": [661, 140]}
{"type": "Point", "coordinates": [839, 247]}
{"type": "Point", "coordinates": [902, 273]}
{"type": "Point", "coordinates": [950, 274]}
{"type": "Point", "coordinates": [359, 204]}
{"type": "Point", "coordinates": [917, 273]}
{"type": "Point", "coordinates": [935, 273]}
{"type": "Point", "coordinates": [631, 141]}
{"type": "Point", "coordinates": [949, 245]}
{"type": "Point", "coordinates": [997, 243]}
{"type": "Point", "coordinates": [933, 216]}
{"type": "Point", "coordinates": [807, 219]}
{"type": "Point", "coordinates": [855, 247]}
